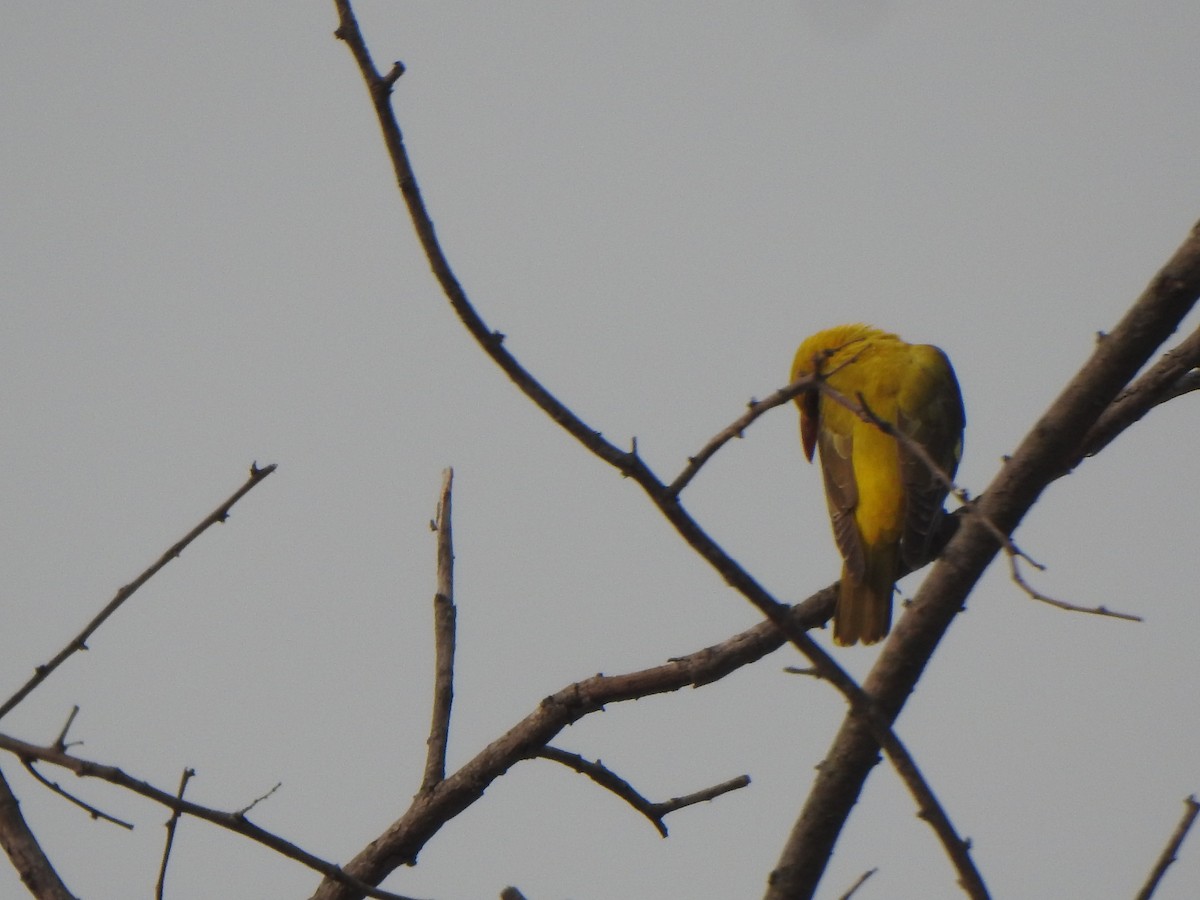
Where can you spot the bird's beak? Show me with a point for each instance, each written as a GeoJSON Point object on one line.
{"type": "Point", "coordinates": [809, 422]}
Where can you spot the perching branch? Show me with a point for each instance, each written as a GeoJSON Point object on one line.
{"type": "Point", "coordinates": [79, 642]}
{"type": "Point", "coordinates": [1045, 453]}
{"type": "Point", "coordinates": [1012, 552]}
{"type": "Point", "coordinates": [443, 630]}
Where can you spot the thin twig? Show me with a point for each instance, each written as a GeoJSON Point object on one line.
{"type": "Point", "coordinates": [61, 743]}
{"type": "Point", "coordinates": [862, 879]}
{"type": "Point", "coordinates": [444, 616]}
{"type": "Point", "coordinates": [734, 429]}
{"type": "Point", "coordinates": [611, 781]}
{"type": "Point", "coordinates": [171, 824]}
{"type": "Point", "coordinates": [1173, 375]}
{"type": "Point", "coordinates": [1019, 579]}
{"type": "Point", "coordinates": [57, 788]}
{"type": "Point", "coordinates": [79, 642]}
{"type": "Point", "coordinates": [1191, 809]}
{"type": "Point", "coordinates": [241, 813]}
{"type": "Point", "coordinates": [701, 796]}
{"type": "Point", "coordinates": [606, 778]}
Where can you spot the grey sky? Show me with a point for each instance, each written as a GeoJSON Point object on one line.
{"type": "Point", "coordinates": [206, 263]}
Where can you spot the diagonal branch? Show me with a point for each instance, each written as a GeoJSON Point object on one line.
{"type": "Point", "coordinates": [443, 629]}
{"type": "Point", "coordinates": [79, 642]}
{"type": "Point", "coordinates": [628, 463]}
{"type": "Point", "coordinates": [1191, 809]}
{"type": "Point", "coordinates": [734, 429]}
{"type": "Point", "coordinates": [375, 862]}
{"type": "Point", "coordinates": [862, 879]}
{"type": "Point", "coordinates": [57, 788]}
{"type": "Point", "coordinates": [19, 842]}
{"type": "Point", "coordinates": [1173, 375]}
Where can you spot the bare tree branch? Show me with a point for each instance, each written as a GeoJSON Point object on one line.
{"type": "Point", "coordinates": [231, 821]}
{"type": "Point", "coordinates": [382, 855]}
{"type": "Point", "coordinates": [606, 778]}
{"type": "Point", "coordinates": [1191, 808]}
{"type": "Point", "coordinates": [1044, 453]}
{"type": "Point", "coordinates": [56, 788]}
{"type": "Point", "coordinates": [701, 796]}
{"type": "Point", "coordinates": [610, 780]}
{"type": "Point", "coordinates": [443, 630]}
{"type": "Point", "coordinates": [1014, 572]}
{"type": "Point", "coordinates": [734, 429]}
{"type": "Point", "coordinates": [929, 807]}
{"type": "Point", "coordinates": [79, 642]}
{"type": "Point", "coordinates": [862, 879]}
{"type": "Point", "coordinates": [403, 840]}
{"type": "Point", "coordinates": [553, 714]}
{"type": "Point", "coordinates": [25, 852]}
{"type": "Point", "coordinates": [171, 824]}
{"type": "Point", "coordinates": [1172, 376]}
{"type": "Point", "coordinates": [266, 795]}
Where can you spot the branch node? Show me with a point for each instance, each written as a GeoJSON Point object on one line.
{"type": "Point", "coordinates": [390, 79]}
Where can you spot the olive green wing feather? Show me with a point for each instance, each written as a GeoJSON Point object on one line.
{"type": "Point", "coordinates": [841, 492]}
{"type": "Point", "coordinates": [931, 413]}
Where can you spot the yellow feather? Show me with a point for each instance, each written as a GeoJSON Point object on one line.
{"type": "Point", "coordinates": [884, 504]}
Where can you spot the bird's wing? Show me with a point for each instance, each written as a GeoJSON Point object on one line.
{"type": "Point", "coordinates": [931, 412]}
{"type": "Point", "coordinates": [841, 492]}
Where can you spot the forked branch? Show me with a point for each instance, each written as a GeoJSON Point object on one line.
{"type": "Point", "coordinates": [382, 856]}
{"type": "Point", "coordinates": [610, 780]}
{"type": "Point", "coordinates": [231, 821]}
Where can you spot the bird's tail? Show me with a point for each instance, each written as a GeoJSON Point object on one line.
{"type": "Point", "coordinates": [864, 607]}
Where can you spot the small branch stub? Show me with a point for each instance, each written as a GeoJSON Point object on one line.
{"type": "Point", "coordinates": [444, 624]}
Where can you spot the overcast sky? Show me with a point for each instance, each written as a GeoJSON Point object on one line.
{"type": "Point", "coordinates": [206, 263]}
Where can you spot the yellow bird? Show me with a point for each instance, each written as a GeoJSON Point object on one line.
{"type": "Point", "coordinates": [884, 502]}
